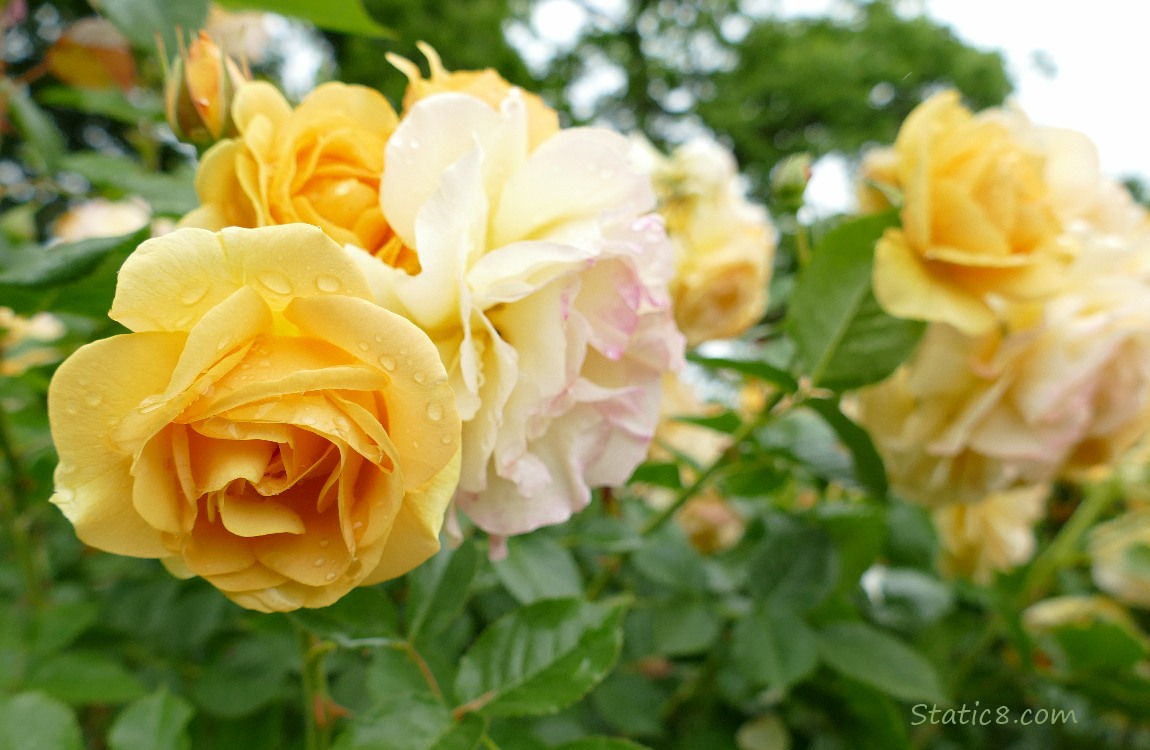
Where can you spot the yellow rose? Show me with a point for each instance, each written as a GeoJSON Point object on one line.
{"type": "Point", "coordinates": [199, 92]}
{"type": "Point", "coordinates": [266, 426]}
{"type": "Point", "coordinates": [319, 164]}
{"type": "Point", "coordinates": [993, 534]}
{"type": "Point", "coordinates": [486, 85]}
{"type": "Point", "coordinates": [978, 222]}
{"type": "Point", "coordinates": [724, 244]}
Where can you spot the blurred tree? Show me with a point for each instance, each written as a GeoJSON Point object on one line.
{"type": "Point", "coordinates": [468, 34]}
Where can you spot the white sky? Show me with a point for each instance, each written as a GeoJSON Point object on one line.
{"type": "Point", "coordinates": [1096, 47]}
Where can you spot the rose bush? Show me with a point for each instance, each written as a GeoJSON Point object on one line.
{"type": "Point", "coordinates": [265, 426]}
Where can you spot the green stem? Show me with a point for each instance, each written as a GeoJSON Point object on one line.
{"type": "Point", "coordinates": [1097, 499]}
{"type": "Point", "coordinates": [316, 699]}
{"type": "Point", "coordinates": [746, 430]}
{"type": "Point", "coordinates": [15, 522]}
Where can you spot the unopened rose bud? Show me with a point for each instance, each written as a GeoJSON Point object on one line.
{"type": "Point", "coordinates": [199, 90]}
{"type": "Point", "coordinates": [789, 180]}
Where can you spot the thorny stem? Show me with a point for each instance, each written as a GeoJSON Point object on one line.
{"type": "Point", "coordinates": [1098, 497]}
{"type": "Point", "coordinates": [316, 699]}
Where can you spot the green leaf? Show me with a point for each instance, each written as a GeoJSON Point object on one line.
{"type": "Point", "coordinates": [874, 657]}
{"type": "Point", "coordinates": [61, 264]}
{"type": "Point", "coordinates": [796, 566]}
{"type": "Point", "coordinates": [726, 422]}
{"type": "Point", "coordinates": [439, 589]}
{"type": "Point", "coordinates": [669, 560]}
{"type": "Point", "coordinates": [843, 338]}
{"type": "Point", "coordinates": [905, 598]}
{"type": "Point", "coordinates": [33, 721]}
{"type": "Point", "coordinates": [753, 368]}
{"type": "Point", "coordinates": [411, 723]}
{"type": "Point", "coordinates": [630, 703]}
{"type": "Point", "coordinates": [601, 743]}
{"type": "Point", "coordinates": [86, 677]}
{"type": "Point", "coordinates": [34, 125]}
{"type": "Point", "coordinates": [774, 647]}
{"type": "Point", "coordinates": [111, 103]}
{"type": "Point", "coordinates": [1138, 560]}
{"type": "Point", "coordinates": [345, 16]}
{"type": "Point", "coordinates": [660, 474]}
{"type": "Point", "coordinates": [168, 193]}
{"type": "Point", "coordinates": [155, 722]}
{"type": "Point", "coordinates": [251, 672]}
{"type": "Point", "coordinates": [542, 657]}
{"type": "Point", "coordinates": [142, 20]}
{"type": "Point", "coordinates": [869, 469]}
{"type": "Point", "coordinates": [362, 613]}
{"type": "Point", "coordinates": [538, 567]}
{"type": "Point", "coordinates": [57, 626]}
{"type": "Point", "coordinates": [858, 531]}
{"type": "Point", "coordinates": [685, 627]}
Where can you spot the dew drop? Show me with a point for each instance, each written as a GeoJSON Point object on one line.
{"type": "Point", "coordinates": [378, 339]}
{"type": "Point", "coordinates": [93, 399]}
{"type": "Point", "coordinates": [149, 405]}
{"type": "Point", "coordinates": [193, 295]}
{"type": "Point", "coordinates": [185, 321]}
{"type": "Point", "coordinates": [319, 562]}
{"type": "Point", "coordinates": [265, 364]}
{"type": "Point", "coordinates": [445, 439]}
{"type": "Point", "coordinates": [74, 408]}
{"type": "Point", "coordinates": [324, 542]}
{"type": "Point", "coordinates": [276, 282]}
{"type": "Point", "coordinates": [327, 284]}
{"type": "Point", "coordinates": [414, 443]}
{"type": "Point", "coordinates": [329, 577]}
{"type": "Point", "coordinates": [342, 425]}
{"type": "Point", "coordinates": [435, 411]}
{"type": "Point", "coordinates": [363, 346]}
{"type": "Point", "coordinates": [357, 525]}
{"type": "Point", "coordinates": [414, 144]}
{"type": "Point", "coordinates": [419, 377]}
{"type": "Point", "coordinates": [388, 362]}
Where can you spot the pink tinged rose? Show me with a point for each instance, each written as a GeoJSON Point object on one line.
{"type": "Point", "coordinates": [543, 285]}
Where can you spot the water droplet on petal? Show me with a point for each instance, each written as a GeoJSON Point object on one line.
{"type": "Point", "coordinates": [378, 339]}
{"type": "Point", "coordinates": [419, 377]}
{"type": "Point", "coordinates": [324, 542]}
{"type": "Point", "coordinates": [363, 346]}
{"type": "Point", "coordinates": [329, 577]}
{"type": "Point", "coordinates": [276, 282]}
{"type": "Point", "coordinates": [388, 362]}
{"type": "Point", "coordinates": [357, 525]}
{"type": "Point", "coordinates": [327, 284]}
{"type": "Point", "coordinates": [445, 439]}
{"type": "Point", "coordinates": [74, 408]}
{"type": "Point", "coordinates": [185, 321]}
{"type": "Point", "coordinates": [435, 411]}
{"type": "Point", "coordinates": [193, 295]}
{"type": "Point", "coordinates": [319, 562]}
{"type": "Point", "coordinates": [93, 399]}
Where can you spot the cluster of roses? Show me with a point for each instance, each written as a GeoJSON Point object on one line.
{"type": "Point", "coordinates": [1033, 272]}
{"type": "Point", "coordinates": [372, 321]}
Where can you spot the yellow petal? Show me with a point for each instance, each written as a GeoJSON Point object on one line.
{"type": "Point", "coordinates": [414, 536]}
{"type": "Point", "coordinates": [90, 394]}
{"type": "Point", "coordinates": [422, 419]}
{"type": "Point", "coordinates": [905, 288]}
{"type": "Point", "coordinates": [172, 281]}
{"type": "Point", "coordinates": [156, 494]}
{"type": "Point", "coordinates": [259, 99]}
{"type": "Point", "coordinates": [252, 516]}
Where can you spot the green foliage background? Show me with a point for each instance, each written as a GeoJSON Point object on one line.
{"type": "Point", "coordinates": [821, 628]}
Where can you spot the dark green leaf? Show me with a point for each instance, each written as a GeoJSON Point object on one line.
{"type": "Point", "coordinates": [843, 338]}
{"type": "Point", "coordinates": [796, 566]}
{"type": "Point", "coordinates": [601, 743]}
{"type": "Point", "coordinates": [142, 20]}
{"type": "Point", "coordinates": [411, 723]}
{"type": "Point", "coordinates": [872, 656]}
{"type": "Point", "coordinates": [345, 16]}
{"type": "Point", "coordinates": [537, 567]}
{"type": "Point", "coordinates": [155, 722]}
{"type": "Point", "coordinates": [541, 657]}
{"type": "Point", "coordinates": [439, 589]}
{"type": "Point", "coordinates": [869, 469]}
{"type": "Point", "coordinates": [111, 103]}
{"type": "Point", "coordinates": [249, 673]}
{"type": "Point", "coordinates": [858, 531]}
{"type": "Point", "coordinates": [753, 368]}
{"type": "Point", "coordinates": [33, 721]}
{"type": "Point", "coordinates": [669, 560]}
{"type": "Point", "coordinates": [630, 703]}
{"type": "Point", "coordinates": [361, 613]}
{"type": "Point", "coordinates": [65, 263]}
{"type": "Point", "coordinates": [59, 625]}
{"type": "Point", "coordinates": [37, 129]}
{"type": "Point", "coordinates": [86, 677]}
{"type": "Point", "coordinates": [685, 627]}
{"type": "Point", "coordinates": [726, 423]}
{"type": "Point", "coordinates": [774, 647]}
